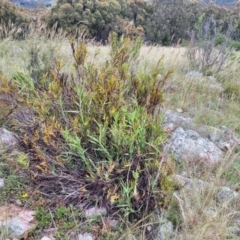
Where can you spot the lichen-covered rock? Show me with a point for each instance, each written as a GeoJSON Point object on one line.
{"type": "Point", "coordinates": [226, 195]}
{"type": "Point", "coordinates": [190, 146]}
{"type": "Point", "coordinates": [189, 183]}
{"type": "Point", "coordinates": [224, 138]}
{"type": "Point", "coordinates": [16, 221]}
{"type": "Point", "coordinates": [173, 120]}
{"type": "Point", "coordinates": [165, 230]}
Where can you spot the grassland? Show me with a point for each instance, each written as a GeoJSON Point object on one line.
{"type": "Point", "coordinates": [76, 141]}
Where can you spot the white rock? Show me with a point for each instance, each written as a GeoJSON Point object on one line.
{"type": "Point", "coordinates": [179, 110]}
{"type": "Point", "coordinates": [85, 236]}
{"type": "Point", "coordinates": [94, 211]}
{"type": "Point", "coordinates": [7, 138]}
{"type": "Point", "coordinates": [19, 202]}
{"type": "Point", "coordinates": [211, 78]}
{"type": "Point", "coordinates": [46, 238]}
{"type": "Point", "coordinates": [1, 182]}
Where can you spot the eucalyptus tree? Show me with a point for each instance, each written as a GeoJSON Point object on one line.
{"type": "Point", "coordinates": [98, 17]}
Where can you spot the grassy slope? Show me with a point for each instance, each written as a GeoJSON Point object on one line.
{"type": "Point", "coordinates": [206, 107]}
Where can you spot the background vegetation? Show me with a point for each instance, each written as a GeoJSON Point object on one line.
{"type": "Point", "coordinates": [157, 21]}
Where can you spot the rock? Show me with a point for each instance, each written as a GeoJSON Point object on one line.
{"type": "Point", "coordinates": [226, 195]}
{"type": "Point", "coordinates": [179, 110]}
{"type": "Point", "coordinates": [223, 138]}
{"type": "Point", "coordinates": [19, 202]}
{"type": "Point", "coordinates": [188, 183]}
{"type": "Point", "coordinates": [175, 120]}
{"type": "Point", "coordinates": [94, 211]}
{"type": "Point", "coordinates": [85, 236]}
{"type": "Point", "coordinates": [7, 139]}
{"type": "Point", "coordinates": [233, 231]}
{"type": "Point", "coordinates": [168, 127]}
{"type": "Point", "coordinates": [112, 223]}
{"type": "Point", "coordinates": [16, 221]}
{"type": "Point", "coordinates": [45, 238]}
{"type": "Point", "coordinates": [165, 230]}
{"type": "Point", "coordinates": [1, 182]}
{"type": "Point", "coordinates": [189, 146]}
{"type": "Point", "coordinates": [194, 75]}
{"type": "Point", "coordinates": [33, 18]}
{"type": "Point", "coordinates": [18, 51]}
{"type": "Point", "coordinates": [211, 78]}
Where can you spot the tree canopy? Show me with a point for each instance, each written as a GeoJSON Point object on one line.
{"type": "Point", "coordinates": [156, 21]}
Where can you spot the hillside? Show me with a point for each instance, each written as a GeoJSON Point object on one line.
{"type": "Point", "coordinates": [33, 3]}
{"type": "Point", "coordinates": [223, 2]}
{"type": "Point", "coordinates": [49, 3]}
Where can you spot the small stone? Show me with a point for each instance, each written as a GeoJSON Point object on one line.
{"type": "Point", "coordinates": [211, 78]}
{"type": "Point", "coordinates": [46, 238]}
{"type": "Point", "coordinates": [179, 110]}
{"type": "Point", "coordinates": [211, 213]}
{"type": "Point", "coordinates": [7, 139]}
{"type": "Point", "coordinates": [94, 211]}
{"type": "Point", "coordinates": [168, 127]}
{"type": "Point", "coordinates": [194, 74]}
{"type": "Point", "coordinates": [19, 202]}
{"type": "Point", "coordinates": [226, 195]}
{"type": "Point", "coordinates": [18, 51]}
{"type": "Point", "coordinates": [1, 182]}
{"type": "Point", "coordinates": [111, 222]}
{"type": "Point", "coordinates": [165, 230]}
{"type": "Point", "coordinates": [85, 236]}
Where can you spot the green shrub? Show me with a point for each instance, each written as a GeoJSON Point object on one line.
{"type": "Point", "coordinates": [101, 127]}
{"type": "Point", "coordinates": [235, 45]}
{"type": "Point", "coordinates": [220, 39]}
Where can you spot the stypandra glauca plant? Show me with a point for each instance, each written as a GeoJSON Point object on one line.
{"type": "Point", "coordinates": [96, 136]}
{"type": "Point", "coordinates": [118, 134]}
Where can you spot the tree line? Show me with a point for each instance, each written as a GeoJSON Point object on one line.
{"type": "Point", "coordinates": [156, 21]}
